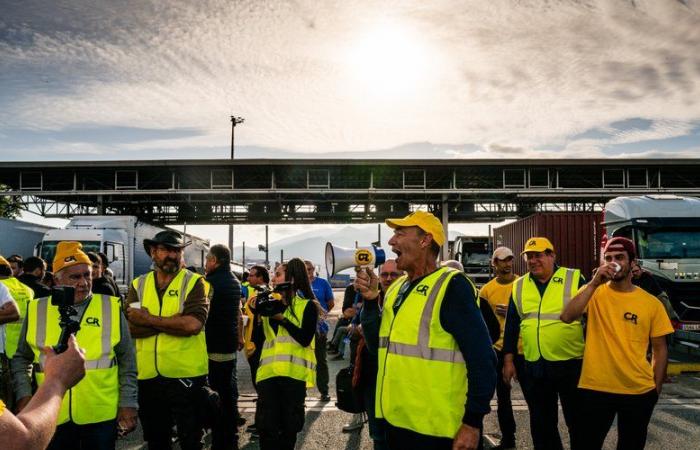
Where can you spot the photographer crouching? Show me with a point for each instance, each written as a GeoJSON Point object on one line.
{"type": "Point", "coordinates": [104, 403]}
{"type": "Point", "coordinates": [287, 363]}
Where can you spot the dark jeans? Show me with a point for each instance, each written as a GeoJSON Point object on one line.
{"type": "Point", "coordinates": [95, 436]}
{"type": "Point", "coordinates": [506, 420]}
{"type": "Point", "coordinates": [254, 362]}
{"type": "Point", "coordinates": [222, 378]}
{"type": "Point", "coordinates": [321, 364]}
{"type": "Point", "coordinates": [633, 415]}
{"type": "Point", "coordinates": [279, 415]}
{"type": "Point", "coordinates": [163, 399]}
{"type": "Point", "coordinates": [403, 439]}
{"type": "Point", "coordinates": [377, 427]}
{"type": "Point", "coordinates": [549, 382]}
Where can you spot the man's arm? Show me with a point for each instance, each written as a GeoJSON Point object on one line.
{"type": "Point", "coordinates": [659, 360]}
{"type": "Point", "coordinates": [9, 312]}
{"type": "Point", "coordinates": [511, 334]}
{"type": "Point", "coordinates": [490, 319]}
{"type": "Point", "coordinates": [21, 368]}
{"type": "Point", "coordinates": [34, 427]}
{"type": "Point", "coordinates": [330, 298]}
{"type": "Point", "coordinates": [137, 331]}
{"type": "Point", "coordinates": [128, 390]}
{"type": "Point", "coordinates": [574, 310]}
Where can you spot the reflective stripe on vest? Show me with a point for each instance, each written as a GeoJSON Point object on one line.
{"type": "Point", "coordinates": [22, 294]}
{"type": "Point", "coordinates": [165, 354]}
{"type": "Point", "coordinates": [95, 398]}
{"type": "Point", "coordinates": [543, 333]}
{"type": "Point", "coordinates": [414, 352]}
{"type": "Point", "coordinates": [282, 355]}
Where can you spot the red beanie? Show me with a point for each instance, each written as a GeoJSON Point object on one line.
{"type": "Point", "coordinates": [621, 244]}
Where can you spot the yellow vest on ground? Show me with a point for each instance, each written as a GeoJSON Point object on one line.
{"type": "Point", "coordinates": [164, 354]}
{"type": "Point", "coordinates": [22, 295]}
{"type": "Point", "coordinates": [282, 355]}
{"type": "Point", "coordinates": [544, 334]}
{"type": "Point", "coordinates": [422, 379]}
{"type": "Point", "coordinates": [96, 397]}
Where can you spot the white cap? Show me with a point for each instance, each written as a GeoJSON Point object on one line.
{"type": "Point", "coordinates": [502, 253]}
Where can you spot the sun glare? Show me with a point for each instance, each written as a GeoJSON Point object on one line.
{"type": "Point", "coordinates": [389, 60]}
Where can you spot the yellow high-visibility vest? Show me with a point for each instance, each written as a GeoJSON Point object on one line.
{"type": "Point", "coordinates": [544, 334]}
{"type": "Point", "coordinates": [22, 294]}
{"type": "Point", "coordinates": [164, 354]}
{"type": "Point", "coordinates": [282, 355]}
{"type": "Point", "coordinates": [422, 378]}
{"type": "Point", "coordinates": [96, 397]}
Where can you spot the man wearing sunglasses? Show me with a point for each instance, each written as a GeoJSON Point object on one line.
{"type": "Point", "coordinates": [553, 349]}
{"type": "Point", "coordinates": [434, 351]}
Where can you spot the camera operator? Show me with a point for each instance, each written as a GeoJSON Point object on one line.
{"type": "Point", "coordinates": [34, 426]}
{"type": "Point", "coordinates": [105, 400]}
{"type": "Point", "coordinates": [287, 363]}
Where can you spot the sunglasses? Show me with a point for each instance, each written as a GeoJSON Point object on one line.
{"type": "Point", "coordinates": [390, 274]}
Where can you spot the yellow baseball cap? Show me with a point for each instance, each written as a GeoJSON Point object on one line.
{"type": "Point", "coordinates": [69, 253]}
{"type": "Point", "coordinates": [423, 220]}
{"type": "Point", "coordinates": [4, 262]}
{"type": "Point", "coordinates": [537, 244]}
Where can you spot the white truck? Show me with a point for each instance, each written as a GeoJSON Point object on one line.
{"type": "Point", "coordinates": [121, 239]}
{"type": "Point", "coordinates": [666, 231]}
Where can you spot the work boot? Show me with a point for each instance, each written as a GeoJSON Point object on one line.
{"type": "Point", "coordinates": [356, 423]}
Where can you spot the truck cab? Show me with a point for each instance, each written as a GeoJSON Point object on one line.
{"type": "Point", "coordinates": [474, 252]}
{"type": "Point", "coordinates": [666, 232]}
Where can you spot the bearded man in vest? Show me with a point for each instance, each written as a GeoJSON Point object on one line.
{"type": "Point", "coordinates": [105, 401]}
{"type": "Point", "coordinates": [167, 309]}
{"type": "Point", "coordinates": [553, 349]}
{"type": "Point", "coordinates": [437, 369]}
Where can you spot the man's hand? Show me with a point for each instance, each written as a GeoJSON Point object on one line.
{"type": "Point", "coordinates": [501, 310]}
{"type": "Point", "coordinates": [138, 316]}
{"type": "Point", "coordinates": [509, 372]}
{"type": "Point", "coordinates": [605, 273]}
{"type": "Point", "coordinates": [367, 284]}
{"type": "Point", "coordinates": [68, 368]}
{"type": "Point", "coordinates": [467, 438]}
{"type": "Point", "coordinates": [278, 317]}
{"type": "Point", "coordinates": [126, 420]}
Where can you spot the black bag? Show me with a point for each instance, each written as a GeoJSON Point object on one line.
{"type": "Point", "coordinates": [349, 398]}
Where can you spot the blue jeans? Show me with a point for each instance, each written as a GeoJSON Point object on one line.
{"type": "Point", "coordinates": [95, 436]}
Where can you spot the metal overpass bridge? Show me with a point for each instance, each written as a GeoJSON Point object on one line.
{"type": "Point", "coordinates": [336, 191]}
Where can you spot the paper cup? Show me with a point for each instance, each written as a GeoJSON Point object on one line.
{"type": "Point", "coordinates": [135, 305]}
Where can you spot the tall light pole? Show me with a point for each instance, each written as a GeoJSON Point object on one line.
{"type": "Point", "coordinates": [234, 121]}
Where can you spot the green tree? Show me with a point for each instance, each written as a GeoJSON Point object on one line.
{"type": "Point", "coordinates": [10, 205]}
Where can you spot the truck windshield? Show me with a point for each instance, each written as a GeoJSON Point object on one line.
{"type": "Point", "coordinates": [48, 249]}
{"type": "Point", "coordinates": [675, 243]}
{"type": "Point", "coordinates": [475, 254]}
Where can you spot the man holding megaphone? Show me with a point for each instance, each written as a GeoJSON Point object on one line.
{"type": "Point", "coordinates": [434, 349]}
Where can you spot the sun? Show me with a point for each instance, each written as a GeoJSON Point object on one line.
{"type": "Point", "coordinates": [389, 59]}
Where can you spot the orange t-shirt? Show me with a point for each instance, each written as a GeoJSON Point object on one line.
{"type": "Point", "coordinates": [620, 326]}
{"type": "Point", "coordinates": [496, 293]}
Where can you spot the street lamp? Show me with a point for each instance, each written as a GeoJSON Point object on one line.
{"type": "Point", "coordinates": [234, 121]}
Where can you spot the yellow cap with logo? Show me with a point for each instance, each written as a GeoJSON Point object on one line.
{"type": "Point", "coordinates": [537, 244]}
{"type": "Point", "coordinates": [69, 253]}
{"type": "Point", "coordinates": [423, 220]}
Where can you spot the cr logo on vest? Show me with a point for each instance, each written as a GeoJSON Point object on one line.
{"type": "Point", "coordinates": [92, 321]}
{"type": "Point", "coordinates": [631, 317]}
{"type": "Point", "coordinates": [173, 292]}
{"type": "Point", "coordinates": [558, 280]}
{"type": "Point", "coordinates": [422, 289]}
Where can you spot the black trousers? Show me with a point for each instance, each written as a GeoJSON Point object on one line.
{"type": "Point", "coordinates": [280, 413]}
{"type": "Point", "coordinates": [321, 363]}
{"type": "Point", "coordinates": [163, 399]}
{"type": "Point", "coordinates": [633, 416]}
{"type": "Point", "coordinates": [506, 420]}
{"type": "Point", "coordinates": [403, 439]}
{"type": "Point", "coordinates": [549, 382]}
{"type": "Point", "coordinates": [222, 378]}
{"type": "Point", "coordinates": [94, 436]}
{"type": "Point", "coordinates": [254, 362]}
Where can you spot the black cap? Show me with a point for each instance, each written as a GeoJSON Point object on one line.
{"type": "Point", "coordinates": [169, 238]}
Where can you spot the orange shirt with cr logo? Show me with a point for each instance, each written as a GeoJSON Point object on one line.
{"type": "Point", "coordinates": [620, 327]}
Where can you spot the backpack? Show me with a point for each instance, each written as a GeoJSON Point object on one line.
{"type": "Point", "coordinates": [349, 398]}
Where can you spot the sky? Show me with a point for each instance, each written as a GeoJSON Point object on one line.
{"type": "Point", "coordinates": [156, 79]}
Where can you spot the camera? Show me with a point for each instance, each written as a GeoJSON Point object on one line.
{"type": "Point", "coordinates": [269, 301]}
{"type": "Point", "coordinates": [64, 298]}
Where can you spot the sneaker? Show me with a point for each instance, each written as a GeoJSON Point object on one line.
{"type": "Point", "coordinates": [356, 423]}
{"type": "Point", "coordinates": [325, 398]}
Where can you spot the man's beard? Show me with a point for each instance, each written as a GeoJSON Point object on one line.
{"type": "Point", "coordinates": [168, 265]}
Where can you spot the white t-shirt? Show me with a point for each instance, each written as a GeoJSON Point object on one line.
{"type": "Point", "coordinates": [5, 297]}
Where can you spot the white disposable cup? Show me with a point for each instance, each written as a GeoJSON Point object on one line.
{"type": "Point", "coordinates": [616, 267]}
{"type": "Point", "coordinates": [135, 305]}
{"type": "Point", "coordinates": [245, 320]}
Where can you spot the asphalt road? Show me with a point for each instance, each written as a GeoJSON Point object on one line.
{"type": "Point", "coordinates": [675, 423]}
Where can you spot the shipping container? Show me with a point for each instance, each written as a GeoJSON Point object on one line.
{"type": "Point", "coordinates": [575, 237]}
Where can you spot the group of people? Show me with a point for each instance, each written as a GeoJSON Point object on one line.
{"type": "Point", "coordinates": [431, 349]}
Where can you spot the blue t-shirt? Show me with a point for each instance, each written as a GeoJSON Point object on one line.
{"type": "Point", "coordinates": [324, 294]}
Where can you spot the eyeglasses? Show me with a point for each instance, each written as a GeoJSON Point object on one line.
{"type": "Point", "coordinates": [390, 274]}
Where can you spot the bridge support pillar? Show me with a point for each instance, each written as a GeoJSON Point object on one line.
{"type": "Point", "coordinates": [445, 253]}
